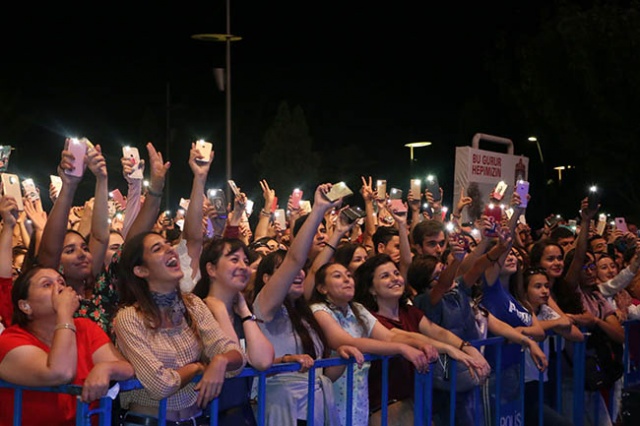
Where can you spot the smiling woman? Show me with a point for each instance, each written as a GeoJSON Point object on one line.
{"type": "Point", "coordinates": [166, 334]}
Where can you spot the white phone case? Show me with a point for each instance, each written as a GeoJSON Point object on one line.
{"type": "Point", "coordinates": [30, 191]}
{"type": "Point", "coordinates": [56, 181]}
{"type": "Point", "coordinates": [280, 217]}
{"type": "Point", "coordinates": [204, 148]}
{"type": "Point", "coordinates": [416, 189]}
{"type": "Point", "coordinates": [11, 187]}
{"type": "Point", "coordinates": [133, 154]}
{"type": "Point", "coordinates": [79, 149]}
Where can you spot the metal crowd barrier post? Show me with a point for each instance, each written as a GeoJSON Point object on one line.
{"type": "Point", "coordinates": [422, 406]}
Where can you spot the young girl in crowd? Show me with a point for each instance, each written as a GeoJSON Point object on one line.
{"type": "Point", "coordinates": [288, 323]}
{"type": "Point", "coordinates": [168, 336]}
{"type": "Point", "coordinates": [224, 268]}
{"type": "Point", "coordinates": [534, 291]}
{"type": "Point", "coordinates": [345, 322]}
{"type": "Point", "coordinates": [380, 288]}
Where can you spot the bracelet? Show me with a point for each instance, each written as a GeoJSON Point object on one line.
{"type": "Point", "coordinates": [463, 344]}
{"type": "Point", "coordinates": [251, 317]}
{"type": "Point", "coordinates": [154, 194]}
{"type": "Point", "coordinates": [490, 259]}
{"type": "Point", "coordinates": [65, 326]}
{"type": "Point", "coordinates": [264, 213]}
{"type": "Point", "coordinates": [330, 246]}
{"type": "Point", "coordinates": [457, 216]}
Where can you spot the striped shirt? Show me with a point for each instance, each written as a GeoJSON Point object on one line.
{"type": "Point", "coordinates": [157, 354]}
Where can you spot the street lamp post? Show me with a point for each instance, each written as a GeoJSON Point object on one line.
{"type": "Point", "coordinates": [535, 139]}
{"type": "Point", "coordinates": [411, 146]}
{"type": "Point", "coordinates": [227, 39]}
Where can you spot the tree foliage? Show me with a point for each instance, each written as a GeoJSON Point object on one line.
{"type": "Point", "coordinates": [576, 78]}
{"type": "Point", "coordinates": [287, 155]}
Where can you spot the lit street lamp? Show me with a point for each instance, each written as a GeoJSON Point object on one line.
{"type": "Point", "coordinates": [534, 139]}
{"type": "Point", "coordinates": [412, 145]}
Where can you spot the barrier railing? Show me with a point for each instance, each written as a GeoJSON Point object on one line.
{"type": "Point", "coordinates": [423, 409]}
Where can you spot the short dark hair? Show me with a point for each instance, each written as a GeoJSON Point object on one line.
{"type": "Point", "coordinates": [426, 228]}
{"type": "Point", "coordinates": [383, 235]}
{"type": "Point", "coordinates": [420, 272]}
{"type": "Point", "coordinates": [561, 232]}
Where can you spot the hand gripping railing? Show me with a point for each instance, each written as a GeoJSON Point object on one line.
{"type": "Point", "coordinates": [423, 409]}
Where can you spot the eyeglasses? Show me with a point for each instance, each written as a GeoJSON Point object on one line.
{"type": "Point", "coordinates": [535, 271]}
{"type": "Point", "coordinates": [589, 266]}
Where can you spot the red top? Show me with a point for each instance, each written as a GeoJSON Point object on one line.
{"type": "Point", "coordinates": [47, 407]}
{"type": "Point", "coordinates": [6, 307]}
{"type": "Point", "coordinates": [400, 370]}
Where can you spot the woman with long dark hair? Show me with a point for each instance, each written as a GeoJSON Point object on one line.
{"type": "Point", "coordinates": [291, 327]}
{"type": "Point", "coordinates": [168, 336]}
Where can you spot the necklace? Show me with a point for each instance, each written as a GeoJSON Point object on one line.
{"type": "Point", "coordinates": [173, 302]}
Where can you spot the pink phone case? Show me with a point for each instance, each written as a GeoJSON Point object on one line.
{"type": "Point", "coordinates": [296, 196]}
{"type": "Point", "coordinates": [79, 150]}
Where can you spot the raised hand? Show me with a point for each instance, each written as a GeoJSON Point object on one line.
{"type": "Point", "coordinates": [158, 169]}
{"type": "Point", "coordinates": [367, 192]}
{"type": "Point", "coordinates": [96, 162]}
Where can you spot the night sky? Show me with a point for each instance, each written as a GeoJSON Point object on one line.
{"type": "Point", "coordinates": [376, 77]}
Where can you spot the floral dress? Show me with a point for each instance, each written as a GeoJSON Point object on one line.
{"type": "Point", "coordinates": [350, 324]}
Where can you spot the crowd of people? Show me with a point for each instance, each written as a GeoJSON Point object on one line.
{"type": "Point", "coordinates": [116, 289]}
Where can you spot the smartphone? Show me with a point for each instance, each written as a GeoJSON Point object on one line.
{"type": "Point", "coordinates": [280, 218]}
{"type": "Point", "coordinates": [296, 196]}
{"type": "Point", "coordinates": [117, 196]}
{"type": "Point", "coordinates": [234, 187]}
{"type": "Point", "coordinates": [274, 205]}
{"type": "Point", "coordinates": [416, 189]}
{"type": "Point", "coordinates": [494, 213]}
{"type": "Point", "coordinates": [338, 190]}
{"type": "Point", "coordinates": [602, 224]}
{"type": "Point", "coordinates": [499, 190]}
{"type": "Point", "coordinates": [112, 208]}
{"type": "Point", "coordinates": [204, 149]}
{"type": "Point", "coordinates": [395, 194]}
{"type": "Point", "coordinates": [133, 154]}
{"type": "Point", "coordinates": [434, 187]}
{"type": "Point", "coordinates": [381, 189]}
{"type": "Point", "coordinates": [11, 187]}
{"type": "Point", "coordinates": [56, 182]}
{"type": "Point", "coordinates": [593, 197]}
{"type": "Point", "coordinates": [184, 203]}
{"type": "Point", "coordinates": [248, 208]}
{"type": "Point", "coordinates": [397, 206]}
{"type": "Point", "coordinates": [522, 189]}
{"type": "Point", "coordinates": [78, 149]}
{"type": "Point", "coordinates": [218, 201]}
{"type": "Point", "coordinates": [305, 206]}
{"type": "Point", "coordinates": [352, 214]}
{"type": "Point", "coordinates": [621, 224]}
{"type": "Point", "coordinates": [30, 191]}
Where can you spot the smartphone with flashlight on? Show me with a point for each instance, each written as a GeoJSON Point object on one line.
{"type": "Point", "coordinates": [593, 197]}
{"type": "Point", "coordinates": [494, 213]}
{"type": "Point", "coordinates": [77, 148]}
{"type": "Point", "coordinates": [337, 191]}
{"type": "Point", "coordinates": [416, 189]}
{"type": "Point", "coordinates": [204, 149]}
{"type": "Point", "coordinates": [133, 155]}
{"type": "Point", "coordinates": [11, 187]}
{"type": "Point", "coordinates": [296, 196]}
{"type": "Point", "coordinates": [381, 189]}
{"type": "Point", "coordinates": [433, 186]}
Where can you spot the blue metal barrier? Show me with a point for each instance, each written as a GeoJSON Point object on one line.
{"type": "Point", "coordinates": [423, 410]}
{"type": "Point", "coordinates": [631, 366]}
